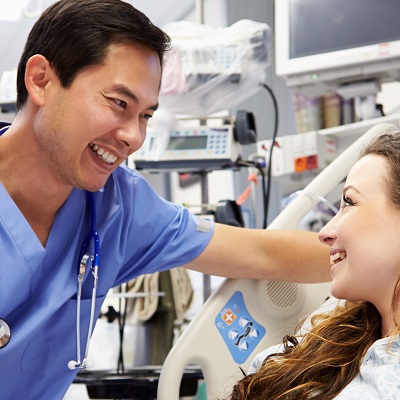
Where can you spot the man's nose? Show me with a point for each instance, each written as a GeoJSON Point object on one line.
{"type": "Point", "coordinates": [132, 135]}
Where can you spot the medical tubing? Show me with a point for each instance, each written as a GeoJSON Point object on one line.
{"type": "Point", "coordinates": [92, 223]}
{"type": "Point", "coordinates": [94, 266]}
{"type": "Point", "coordinates": [78, 322]}
{"type": "Point", "coordinates": [265, 203]}
{"type": "Point", "coordinates": [94, 291]}
{"type": "Point", "coordinates": [322, 199]}
{"type": "Point", "coordinates": [275, 133]}
{"type": "Point", "coordinates": [96, 239]}
{"type": "Point", "coordinates": [92, 233]}
{"type": "Point", "coordinates": [83, 253]}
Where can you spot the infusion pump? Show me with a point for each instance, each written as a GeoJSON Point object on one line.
{"type": "Point", "coordinates": [195, 148]}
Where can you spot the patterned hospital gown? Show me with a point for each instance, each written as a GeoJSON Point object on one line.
{"type": "Point", "coordinates": [379, 377]}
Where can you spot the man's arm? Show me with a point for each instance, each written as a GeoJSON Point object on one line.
{"type": "Point", "coordinates": [295, 256]}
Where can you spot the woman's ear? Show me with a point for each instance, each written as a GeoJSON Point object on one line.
{"type": "Point", "coordinates": [38, 74]}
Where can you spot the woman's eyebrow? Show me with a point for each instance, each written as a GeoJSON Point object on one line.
{"type": "Point", "coordinates": [350, 187]}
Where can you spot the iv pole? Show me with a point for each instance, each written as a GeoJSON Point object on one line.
{"type": "Point", "coordinates": [200, 11]}
{"type": "Point", "coordinates": [203, 174]}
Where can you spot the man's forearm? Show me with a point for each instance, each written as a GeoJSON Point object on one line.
{"type": "Point", "coordinates": [295, 256]}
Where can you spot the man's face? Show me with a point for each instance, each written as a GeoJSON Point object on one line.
{"type": "Point", "coordinates": [84, 132]}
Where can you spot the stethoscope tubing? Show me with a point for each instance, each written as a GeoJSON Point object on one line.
{"type": "Point", "coordinates": [83, 260]}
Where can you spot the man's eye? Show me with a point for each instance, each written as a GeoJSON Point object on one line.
{"type": "Point", "coordinates": [147, 116]}
{"type": "Point", "coordinates": [120, 103]}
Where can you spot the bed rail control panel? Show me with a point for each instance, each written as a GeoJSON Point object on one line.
{"type": "Point", "coordinates": [238, 328]}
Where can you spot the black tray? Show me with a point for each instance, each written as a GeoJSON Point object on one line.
{"type": "Point", "coordinates": [139, 383]}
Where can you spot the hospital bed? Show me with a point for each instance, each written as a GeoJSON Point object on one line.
{"type": "Point", "coordinates": [243, 317]}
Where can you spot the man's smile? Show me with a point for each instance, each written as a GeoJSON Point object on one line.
{"type": "Point", "coordinates": [104, 155]}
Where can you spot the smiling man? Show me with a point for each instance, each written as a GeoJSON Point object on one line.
{"type": "Point", "coordinates": [88, 82]}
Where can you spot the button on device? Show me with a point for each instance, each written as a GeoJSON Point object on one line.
{"type": "Point", "coordinates": [233, 335]}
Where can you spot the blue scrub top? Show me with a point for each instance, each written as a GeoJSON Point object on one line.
{"type": "Point", "coordinates": [140, 233]}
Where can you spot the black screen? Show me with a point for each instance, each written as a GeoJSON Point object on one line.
{"type": "Point", "coordinates": [321, 26]}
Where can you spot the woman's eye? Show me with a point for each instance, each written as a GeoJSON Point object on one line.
{"type": "Point", "coordinates": [346, 201]}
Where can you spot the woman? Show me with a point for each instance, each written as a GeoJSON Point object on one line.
{"type": "Point", "coordinates": [352, 352]}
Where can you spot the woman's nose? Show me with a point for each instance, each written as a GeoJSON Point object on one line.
{"type": "Point", "coordinates": [327, 234]}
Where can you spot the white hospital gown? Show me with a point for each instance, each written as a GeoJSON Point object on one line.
{"type": "Point", "coordinates": [379, 377]}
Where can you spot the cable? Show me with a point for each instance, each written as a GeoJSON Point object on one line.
{"type": "Point", "coordinates": [322, 199]}
{"type": "Point", "coordinates": [275, 133]}
{"type": "Point", "coordinates": [121, 325]}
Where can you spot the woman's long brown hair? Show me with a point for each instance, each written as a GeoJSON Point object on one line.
{"type": "Point", "coordinates": [322, 364]}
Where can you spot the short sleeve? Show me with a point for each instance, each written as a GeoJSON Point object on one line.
{"type": "Point", "coordinates": [143, 233]}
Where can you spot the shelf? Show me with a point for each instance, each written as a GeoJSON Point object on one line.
{"type": "Point", "coordinates": [359, 128]}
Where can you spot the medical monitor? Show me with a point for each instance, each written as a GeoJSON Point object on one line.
{"type": "Point", "coordinates": [322, 44]}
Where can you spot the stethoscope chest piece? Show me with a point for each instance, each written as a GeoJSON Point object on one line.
{"type": "Point", "coordinates": [5, 334]}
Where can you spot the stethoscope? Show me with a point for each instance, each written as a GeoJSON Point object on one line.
{"type": "Point", "coordinates": [85, 258]}
{"type": "Point", "coordinates": [5, 334]}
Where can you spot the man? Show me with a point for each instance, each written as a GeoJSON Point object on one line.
{"type": "Point", "coordinates": [88, 82]}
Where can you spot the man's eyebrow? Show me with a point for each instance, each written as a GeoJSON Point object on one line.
{"type": "Point", "coordinates": [123, 90]}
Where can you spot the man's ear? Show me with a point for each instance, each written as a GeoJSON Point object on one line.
{"type": "Point", "coordinates": [38, 74]}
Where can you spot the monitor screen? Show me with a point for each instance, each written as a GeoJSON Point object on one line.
{"type": "Point", "coordinates": [321, 26]}
{"type": "Point", "coordinates": [336, 41]}
{"type": "Point", "coordinates": [187, 143]}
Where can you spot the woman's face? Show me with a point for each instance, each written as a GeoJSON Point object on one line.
{"type": "Point", "coordinates": [364, 237]}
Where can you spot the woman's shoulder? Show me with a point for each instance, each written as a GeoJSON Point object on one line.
{"type": "Point", "coordinates": [260, 357]}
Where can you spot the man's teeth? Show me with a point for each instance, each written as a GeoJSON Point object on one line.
{"type": "Point", "coordinates": [103, 154]}
{"type": "Point", "coordinates": [336, 257]}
